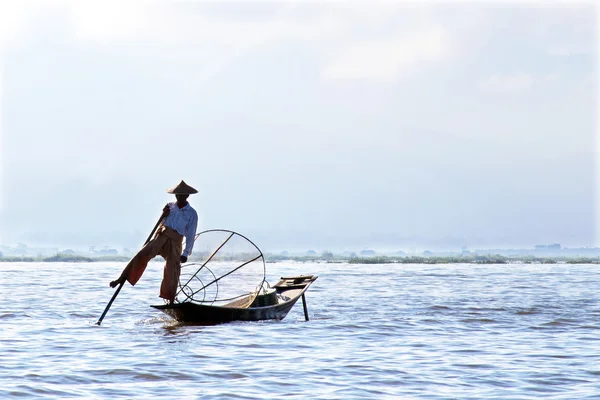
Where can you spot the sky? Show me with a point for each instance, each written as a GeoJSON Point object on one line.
{"type": "Point", "coordinates": [303, 124]}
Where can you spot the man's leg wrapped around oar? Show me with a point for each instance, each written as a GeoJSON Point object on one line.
{"type": "Point", "coordinates": [165, 243]}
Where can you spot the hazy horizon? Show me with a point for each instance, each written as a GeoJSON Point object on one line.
{"type": "Point", "coordinates": [303, 125]}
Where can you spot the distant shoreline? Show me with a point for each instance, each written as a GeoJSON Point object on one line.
{"type": "Point", "coordinates": [479, 259]}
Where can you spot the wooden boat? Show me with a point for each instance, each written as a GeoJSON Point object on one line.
{"type": "Point", "coordinates": [235, 266]}
{"type": "Point", "coordinates": [274, 304]}
{"type": "Point", "coordinates": [230, 284]}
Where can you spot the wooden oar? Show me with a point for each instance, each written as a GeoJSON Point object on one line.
{"type": "Point", "coordinates": [122, 283]}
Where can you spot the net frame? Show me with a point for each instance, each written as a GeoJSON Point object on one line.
{"type": "Point", "coordinates": [189, 293]}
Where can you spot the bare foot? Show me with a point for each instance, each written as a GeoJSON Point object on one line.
{"type": "Point", "coordinates": [117, 282]}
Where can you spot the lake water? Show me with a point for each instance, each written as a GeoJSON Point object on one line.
{"type": "Point", "coordinates": [375, 331]}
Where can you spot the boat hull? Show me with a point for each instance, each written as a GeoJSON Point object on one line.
{"type": "Point", "coordinates": [292, 288]}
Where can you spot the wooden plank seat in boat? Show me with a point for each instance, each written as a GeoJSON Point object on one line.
{"type": "Point", "coordinates": [294, 281]}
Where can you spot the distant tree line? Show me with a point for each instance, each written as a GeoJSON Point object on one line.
{"type": "Point", "coordinates": [329, 257]}
{"type": "Point", "coordinates": [61, 258]}
{"type": "Point", "coordinates": [489, 259]}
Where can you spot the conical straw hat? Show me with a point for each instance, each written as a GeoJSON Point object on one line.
{"type": "Point", "coordinates": [182, 188]}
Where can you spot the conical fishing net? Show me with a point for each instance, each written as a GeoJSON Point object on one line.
{"type": "Point", "coordinates": [225, 267]}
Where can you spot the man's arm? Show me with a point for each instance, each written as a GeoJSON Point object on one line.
{"type": "Point", "coordinates": [189, 236]}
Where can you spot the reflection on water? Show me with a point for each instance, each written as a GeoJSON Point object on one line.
{"type": "Point", "coordinates": [377, 331]}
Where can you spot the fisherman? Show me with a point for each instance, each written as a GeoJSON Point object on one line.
{"type": "Point", "coordinates": [179, 220]}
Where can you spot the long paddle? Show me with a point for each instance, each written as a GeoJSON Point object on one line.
{"type": "Point", "coordinates": [122, 283]}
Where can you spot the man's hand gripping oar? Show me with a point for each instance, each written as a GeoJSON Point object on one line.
{"type": "Point", "coordinates": [122, 281]}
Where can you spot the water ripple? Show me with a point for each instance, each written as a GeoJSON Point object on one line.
{"type": "Point", "coordinates": [400, 331]}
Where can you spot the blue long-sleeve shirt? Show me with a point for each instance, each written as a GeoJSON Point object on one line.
{"type": "Point", "coordinates": [185, 222]}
